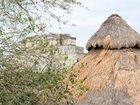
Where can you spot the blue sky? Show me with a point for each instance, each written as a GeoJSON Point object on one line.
{"type": "Point", "coordinates": [88, 21]}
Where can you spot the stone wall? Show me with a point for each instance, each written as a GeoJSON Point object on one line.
{"type": "Point", "coordinates": [74, 53]}
{"type": "Point", "coordinates": [61, 39]}
{"type": "Point", "coordinates": [52, 39]}
{"type": "Point", "coordinates": [65, 44]}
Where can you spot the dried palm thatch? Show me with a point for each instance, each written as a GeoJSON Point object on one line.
{"type": "Point", "coordinates": [112, 76]}
{"type": "Point", "coordinates": [121, 35]}
{"type": "Point", "coordinates": [110, 73]}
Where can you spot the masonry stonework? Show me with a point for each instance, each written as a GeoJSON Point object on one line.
{"type": "Point", "coordinates": [65, 44]}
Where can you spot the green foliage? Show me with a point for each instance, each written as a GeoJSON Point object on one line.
{"type": "Point", "coordinates": [26, 87]}
{"type": "Point", "coordinates": [16, 88]}
{"type": "Point", "coordinates": [20, 84]}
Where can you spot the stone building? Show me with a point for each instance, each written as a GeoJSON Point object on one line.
{"type": "Point", "coordinates": [52, 39]}
{"type": "Point", "coordinates": [61, 40]}
{"type": "Point", "coordinates": [65, 44]}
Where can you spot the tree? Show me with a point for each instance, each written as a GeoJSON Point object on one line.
{"type": "Point", "coordinates": [21, 18]}
{"type": "Point", "coordinates": [20, 85]}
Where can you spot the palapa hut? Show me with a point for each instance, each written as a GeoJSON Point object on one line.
{"type": "Point", "coordinates": [110, 71]}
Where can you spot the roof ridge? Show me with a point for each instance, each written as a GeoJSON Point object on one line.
{"type": "Point", "coordinates": [114, 15]}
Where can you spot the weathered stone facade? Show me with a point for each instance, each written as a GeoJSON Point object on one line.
{"type": "Point", "coordinates": [65, 44]}
{"type": "Point", "coordinates": [52, 39]}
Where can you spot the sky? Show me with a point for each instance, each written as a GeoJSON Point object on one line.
{"type": "Point", "coordinates": [89, 20]}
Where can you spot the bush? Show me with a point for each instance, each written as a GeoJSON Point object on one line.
{"type": "Point", "coordinates": [25, 85]}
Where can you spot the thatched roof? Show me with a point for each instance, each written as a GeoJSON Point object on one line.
{"type": "Point", "coordinates": [114, 33]}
